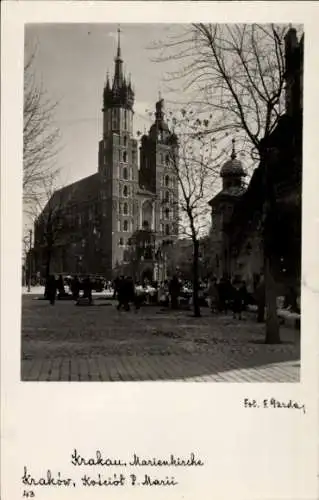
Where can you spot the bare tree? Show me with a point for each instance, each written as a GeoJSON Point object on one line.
{"type": "Point", "coordinates": [40, 137]}
{"type": "Point", "coordinates": [236, 73]}
{"type": "Point", "coordinates": [195, 163]}
{"type": "Point", "coordinates": [53, 223]}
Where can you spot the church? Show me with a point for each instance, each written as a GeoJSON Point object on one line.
{"type": "Point", "coordinates": [86, 227]}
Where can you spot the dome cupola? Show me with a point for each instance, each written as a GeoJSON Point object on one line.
{"type": "Point", "coordinates": [232, 172]}
{"type": "Point", "coordinates": [233, 167]}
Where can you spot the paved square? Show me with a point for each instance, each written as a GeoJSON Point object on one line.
{"type": "Point", "coordinates": [97, 343]}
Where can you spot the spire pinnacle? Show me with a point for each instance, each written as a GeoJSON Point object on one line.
{"type": "Point", "coordinates": [233, 154]}
{"type": "Point", "coordinates": [119, 42]}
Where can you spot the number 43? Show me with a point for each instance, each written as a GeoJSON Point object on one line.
{"type": "Point", "coordinates": [28, 494]}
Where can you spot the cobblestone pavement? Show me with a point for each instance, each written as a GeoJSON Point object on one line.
{"type": "Point", "coordinates": [98, 343]}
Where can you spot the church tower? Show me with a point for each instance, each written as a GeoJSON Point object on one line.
{"type": "Point", "coordinates": [118, 168]}
{"type": "Point", "coordinates": [158, 163]}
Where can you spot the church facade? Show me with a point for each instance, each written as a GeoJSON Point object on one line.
{"type": "Point", "coordinates": [98, 215]}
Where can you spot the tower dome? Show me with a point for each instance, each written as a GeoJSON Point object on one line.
{"type": "Point", "coordinates": [160, 130]}
{"type": "Point", "coordinates": [233, 167]}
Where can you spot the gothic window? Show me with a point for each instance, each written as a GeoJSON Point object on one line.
{"type": "Point", "coordinates": [147, 213]}
{"type": "Point", "coordinates": [125, 157]}
{"type": "Point", "coordinates": [166, 213]}
{"type": "Point", "coordinates": [121, 242]}
{"type": "Point", "coordinates": [114, 119]}
{"type": "Point", "coordinates": [167, 229]}
{"type": "Point", "coordinates": [167, 159]}
{"type": "Point", "coordinates": [125, 140]}
{"type": "Point", "coordinates": [161, 228]}
{"type": "Point", "coordinates": [125, 173]}
{"type": "Point", "coordinates": [125, 119]}
{"type": "Point", "coordinates": [133, 156]}
{"type": "Point", "coordinates": [125, 225]}
{"type": "Point", "coordinates": [161, 158]}
{"type": "Point", "coordinates": [166, 180]}
{"type": "Point", "coordinates": [125, 209]}
{"type": "Point", "coordinates": [166, 196]}
{"type": "Point", "coordinates": [125, 191]}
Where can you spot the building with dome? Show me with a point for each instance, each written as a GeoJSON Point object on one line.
{"type": "Point", "coordinates": [225, 260]}
{"type": "Point", "coordinates": [240, 238]}
{"type": "Point", "coordinates": [98, 215]}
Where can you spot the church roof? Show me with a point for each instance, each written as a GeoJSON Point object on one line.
{"type": "Point", "coordinates": [78, 192]}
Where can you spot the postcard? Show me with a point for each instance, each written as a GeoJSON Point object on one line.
{"type": "Point", "coordinates": [159, 262]}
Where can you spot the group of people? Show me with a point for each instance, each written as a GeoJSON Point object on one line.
{"type": "Point", "coordinates": [232, 295]}
{"type": "Point", "coordinates": [225, 295]}
{"type": "Point", "coordinates": [222, 295]}
{"type": "Point", "coordinates": [127, 292]}
{"type": "Point", "coordinates": [54, 287]}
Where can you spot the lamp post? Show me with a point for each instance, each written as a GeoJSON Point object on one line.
{"type": "Point", "coordinates": [30, 260]}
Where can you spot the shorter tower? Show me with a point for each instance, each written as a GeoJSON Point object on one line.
{"type": "Point", "coordinates": [158, 173]}
{"type": "Point", "coordinates": [223, 206]}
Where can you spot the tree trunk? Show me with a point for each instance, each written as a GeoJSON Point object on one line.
{"type": "Point", "coordinates": [195, 279]}
{"type": "Point", "coordinates": [48, 263]}
{"type": "Point", "coordinates": [272, 322]}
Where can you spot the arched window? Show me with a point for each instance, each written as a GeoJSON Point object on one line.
{"type": "Point", "coordinates": [125, 225]}
{"type": "Point", "coordinates": [166, 180]}
{"type": "Point", "coordinates": [167, 159]}
{"type": "Point", "coordinates": [167, 229]}
{"type": "Point", "coordinates": [125, 209]}
{"type": "Point", "coordinates": [125, 156]}
{"type": "Point", "coordinates": [125, 173]}
{"type": "Point", "coordinates": [166, 196]}
{"type": "Point", "coordinates": [166, 213]}
{"type": "Point", "coordinates": [121, 242]}
{"type": "Point", "coordinates": [125, 191]}
{"type": "Point", "coordinates": [125, 140]}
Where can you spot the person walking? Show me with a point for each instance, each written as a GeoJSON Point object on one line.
{"type": "Point", "coordinates": [129, 292]}
{"type": "Point", "coordinates": [174, 291]}
{"type": "Point", "coordinates": [237, 299]}
{"type": "Point", "coordinates": [120, 293]}
{"type": "Point", "coordinates": [60, 287]}
{"type": "Point", "coordinates": [224, 292]}
{"type": "Point", "coordinates": [87, 289]}
{"type": "Point", "coordinates": [75, 288]}
{"type": "Point", "coordinates": [213, 295]}
{"type": "Point", "coordinates": [51, 289]}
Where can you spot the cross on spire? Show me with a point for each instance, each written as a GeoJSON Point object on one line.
{"type": "Point", "coordinates": [233, 154]}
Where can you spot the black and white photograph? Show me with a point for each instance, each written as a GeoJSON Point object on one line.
{"type": "Point", "coordinates": [162, 195]}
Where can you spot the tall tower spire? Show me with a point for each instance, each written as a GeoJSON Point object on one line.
{"type": "Point", "coordinates": [118, 73]}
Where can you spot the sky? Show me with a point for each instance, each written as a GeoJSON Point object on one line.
{"type": "Point", "coordinates": [72, 61]}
